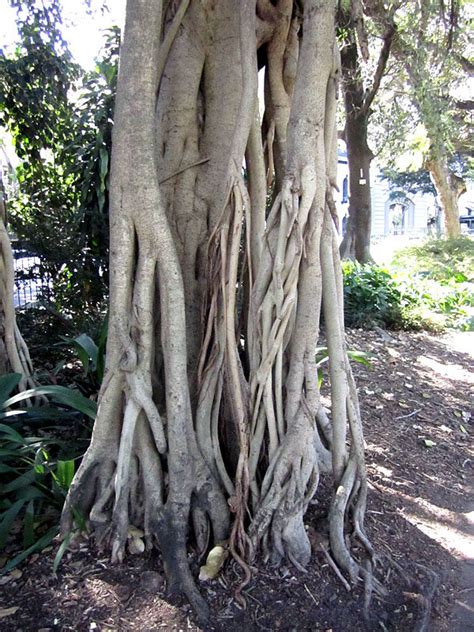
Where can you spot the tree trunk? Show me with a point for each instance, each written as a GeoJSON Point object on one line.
{"type": "Point", "coordinates": [14, 354]}
{"type": "Point", "coordinates": [356, 241]}
{"type": "Point", "coordinates": [210, 426]}
{"type": "Point", "coordinates": [448, 192]}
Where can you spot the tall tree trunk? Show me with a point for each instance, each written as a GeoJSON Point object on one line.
{"type": "Point", "coordinates": [448, 190]}
{"type": "Point", "coordinates": [14, 354]}
{"type": "Point", "coordinates": [210, 426]}
{"type": "Point", "coordinates": [356, 240]}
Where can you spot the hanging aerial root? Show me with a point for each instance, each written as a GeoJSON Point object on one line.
{"type": "Point", "coordinates": [349, 500]}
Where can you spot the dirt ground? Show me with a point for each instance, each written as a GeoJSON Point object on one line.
{"type": "Point", "coordinates": [416, 401]}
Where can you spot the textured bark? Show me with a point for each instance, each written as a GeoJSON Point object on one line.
{"type": "Point", "coordinates": [210, 427]}
{"type": "Point", "coordinates": [357, 103]}
{"type": "Point", "coordinates": [356, 240]}
{"type": "Point", "coordinates": [14, 354]}
{"type": "Point", "coordinates": [448, 188]}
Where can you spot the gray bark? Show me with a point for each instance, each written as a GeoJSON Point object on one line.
{"type": "Point", "coordinates": [209, 417]}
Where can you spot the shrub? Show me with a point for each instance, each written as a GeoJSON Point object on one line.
{"type": "Point", "coordinates": [425, 287]}
{"type": "Point", "coordinates": [443, 260]}
{"type": "Point", "coordinates": [439, 274]}
{"type": "Point", "coordinates": [36, 469]}
{"type": "Point", "coordinates": [371, 296]}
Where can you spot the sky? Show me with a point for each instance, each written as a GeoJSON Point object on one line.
{"type": "Point", "coordinates": [81, 31]}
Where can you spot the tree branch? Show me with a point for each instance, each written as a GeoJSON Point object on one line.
{"type": "Point", "coordinates": [381, 65]}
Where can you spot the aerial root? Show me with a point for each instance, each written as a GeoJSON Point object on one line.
{"type": "Point", "coordinates": [291, 481]}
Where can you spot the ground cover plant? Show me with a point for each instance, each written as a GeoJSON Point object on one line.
{"type": "Point", "coordinates": [427, 286]}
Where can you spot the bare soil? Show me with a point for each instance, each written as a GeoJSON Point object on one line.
{"type": "Point", "coordinates": [416, 401]}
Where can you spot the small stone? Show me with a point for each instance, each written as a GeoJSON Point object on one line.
{"type": "Point", "coordinates": [151, 581]}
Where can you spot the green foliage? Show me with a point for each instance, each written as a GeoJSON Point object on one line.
{"type": "Point", "coordinates": [410, 182]}
{"type": "Point", "coordinates": [91, 356]}
{"type": "Point", "coordinates": [63, 141]}
{"type": "Point", "coordinates": [440, 273]}
{"type": "Point", "coordinates": [371, 296]}
{"type": "Point", "coordinates": [444, 260]}
{"type": "Point", "coordinates": [322, 357]}
{"type": "Point", "coordinates": [36, 470]}
{"type": "Point", "coordinates": [420, 114]}
{"type": "Point", "coordinates": [427, 286]}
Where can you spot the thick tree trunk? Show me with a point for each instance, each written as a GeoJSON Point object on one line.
{"type": "Point", "coordinates": [210, 406]}
{"type": "Point", "coordinates": [356, 240]}
{"type": "Point", "coordinates": [448, 191]}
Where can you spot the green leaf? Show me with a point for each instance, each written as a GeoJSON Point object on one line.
{"type": "Point", "coordinates": [428, 443]}
{"type": "Point", "coordinates": [86, 343]}
{"type": "Point", "coordinates": [24, 480]}
{"type": "Point", "coordinates": [65, 473]}
{"type": "Point", "coordinates": [62, 549]}
{"type": "Point", "coordinates": [29, 525]}
{"type": "Point", "coordinates": [360, 356]}
{"type": "Point", "coordinates": [12, 435]}
{"type": "Point", "coordinates": [7, 384]}
{"type": "Point", "coordinates": [61, 394]}
{"type": "Point", "coordinates": [8, 518]}
{"type": "Point", "coordinates": [37, 546]}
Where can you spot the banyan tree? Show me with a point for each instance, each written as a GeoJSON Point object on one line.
{"type": "Point", "coordinates": [223, 261]}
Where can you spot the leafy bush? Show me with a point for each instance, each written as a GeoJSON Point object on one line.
{"type": "Point", "coordinates": [440, 275]}
{"type": "Point", "coordinates": [36, 470]}
{"type": "Point", "coordinates": [443, 260]}
{"type": "Point", "coordinates": [428, 286]}
{"type": "Point", "coordinates": [371, 296]}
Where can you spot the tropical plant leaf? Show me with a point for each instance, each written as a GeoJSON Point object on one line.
{"type": "Point", "coordinates": [360, 356]}
{"type": "Point", "coordinates": [37, 546]}
{"type": "Point", "coordinates": [65, 473]}
{"type": "Point", "coordinates": [60, 552]}
{"type": "Point", "coordinates": [29, 525]}
{"type": "Point", "coordinates": [61, 394]}
{"type": "Point", "coordinates": [7, 384]}
{"type": "Point", "coordinates": [8, 517]}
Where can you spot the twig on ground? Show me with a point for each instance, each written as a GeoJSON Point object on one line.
{"type": "Point", "coordinates": [335, 569]}
{"type": "Point", "coordinates": [409, 414]}
{"type": "Point", "coordinates": [310, 594]}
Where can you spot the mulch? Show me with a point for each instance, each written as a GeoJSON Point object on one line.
{"type": "Point", "coordinates": [416, 400]}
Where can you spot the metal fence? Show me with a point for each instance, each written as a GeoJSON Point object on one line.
{"type": "Point", "coordinates": [31, 282]}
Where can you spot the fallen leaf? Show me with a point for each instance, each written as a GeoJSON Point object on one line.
{"type": "Point", "coordinates": [7, 612]}
{"type": "Point", "coordinates": [462, 428]}
{"type": "Point", "coordinates": [457, 413]}
{"type": "Point", "coordinates": [136, 546]}
{"type": "Point", "coordinates": [134, 532]}
{"type": "Point", "coordinates": [428, 443]}
{"type": "Point", "coordinates": [214, 562]}
{"type": "Point", "coordinates": [16, 573]}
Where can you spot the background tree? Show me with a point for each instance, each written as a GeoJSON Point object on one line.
{"type": "Point", "coordinates": [60, 120]}
{"type": "Point", "coordinates": [210, 425]}
{"type": "Point", "coordinates": [14, 354]}
{"type": "Point", "coordinates": [359, 95]}
{"type": "Point", "coordinates": [424, 114]}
